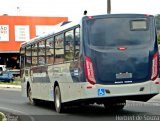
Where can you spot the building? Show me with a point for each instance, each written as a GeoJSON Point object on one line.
{"type": "Point", "coordinates": [17, 29]}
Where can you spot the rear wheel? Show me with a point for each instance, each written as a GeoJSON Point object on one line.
{"type": "Point", "coordinates": [31, 100]}
{"type": "Point", "coordinates": [57, 100]}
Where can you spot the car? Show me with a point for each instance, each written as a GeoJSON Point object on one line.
{"type": "Point", "coordinates": [2, 67]}
{"type": "Point", "coordinates": [6, 76]}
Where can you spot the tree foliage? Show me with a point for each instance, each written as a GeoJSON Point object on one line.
{"type": "Point", "coordinates": [158, 26]}
{"type": "Point", "coordinates": [158, 39]}
{"type": "Point", "coordinates": [158, 21]}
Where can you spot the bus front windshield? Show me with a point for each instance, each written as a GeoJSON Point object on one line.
{"type": "Point", "coordinates": [118, 31]}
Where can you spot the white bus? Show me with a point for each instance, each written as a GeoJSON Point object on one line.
{"type": "Point", "coordinates": [104, 59]}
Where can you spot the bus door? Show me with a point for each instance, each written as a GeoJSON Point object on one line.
{"type": "Point", "coordinates": [37, 80]}
{"type": "Point", "coordinates": [45, 83]}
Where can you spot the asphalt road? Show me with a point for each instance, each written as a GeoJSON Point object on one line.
{"type": "Point", "coordinates": [12, 102]}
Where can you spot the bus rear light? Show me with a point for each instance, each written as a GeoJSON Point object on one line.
{"type": "Point", "coordinates": [90, 17]}
{"type": "Point", "coordinates": [147, 15]}
{"type": "Point", "coordinates": [89, 71]}
{"type": "Point", "coordinates": [157, 82]}
{"type": "Point", "coordinates": [89, 87]}
{"type": "Point", "coordinates": [122, 48]}
{"type": "Point", "coordinates": [154, 73]}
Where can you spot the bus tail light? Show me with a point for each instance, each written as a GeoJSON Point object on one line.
{"type": "Point", "coordinates": [147, 15]}
{"type": "Point", "coordinates": [89, 70]}
{"type": "Point", "coordinates": [154, 67]}
{"type": "Point", "coordinates": [90, 17]}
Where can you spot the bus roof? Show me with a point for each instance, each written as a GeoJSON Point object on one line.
{"type": "Point", "coordinates": [57, 28]}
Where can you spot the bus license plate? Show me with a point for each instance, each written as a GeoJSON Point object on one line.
{"type": "Point", "coordinates": [123, 75]}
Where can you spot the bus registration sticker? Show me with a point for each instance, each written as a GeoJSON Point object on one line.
{"type": "Point", "coordinates": [101, 92]}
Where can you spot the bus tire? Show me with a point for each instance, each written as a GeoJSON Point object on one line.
{"type": "Point", "coordinates": [57, 100]}
{"type": "Point", "coordinates": [31, 100]}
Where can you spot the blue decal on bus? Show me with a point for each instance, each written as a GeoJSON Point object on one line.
{"type": "Point", "coordinates": [101, 92]}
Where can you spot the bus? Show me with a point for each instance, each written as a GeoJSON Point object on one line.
{"type": "Point", "coordinates": [102, 59]}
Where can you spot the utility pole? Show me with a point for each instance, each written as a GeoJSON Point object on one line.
{"type": "Point", "coordinates": [18, 10]}
{"type": "Point", "coordinates": [108, 6]}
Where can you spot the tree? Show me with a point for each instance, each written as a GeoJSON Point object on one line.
{"type": "Point", "coordinates": [158, 26]}
{"type": "Point", "coordinates": [158, 21]}
{"type": "Point", "coordinates": [158, 39]}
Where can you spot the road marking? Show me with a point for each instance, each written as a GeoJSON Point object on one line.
{"type": "Point", "coordinates": [17, 112]}
{"type": "Point", "coordinates": [14, 89]}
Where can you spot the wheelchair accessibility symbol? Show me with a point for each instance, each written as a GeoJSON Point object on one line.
{"type": "Point", "coordinates": [101, 92]}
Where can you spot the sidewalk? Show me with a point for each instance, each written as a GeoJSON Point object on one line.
{"type": "Point", "coordinates": [10, 86]}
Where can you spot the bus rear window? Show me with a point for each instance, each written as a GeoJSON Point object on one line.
{"type": "Point", "coordinates": [138, 25]}
{"type": "Point", "coordinates": [118, 32]}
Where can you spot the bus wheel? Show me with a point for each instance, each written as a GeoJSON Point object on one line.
{"type": "Point", "coordinates": [31, 100]}
{"type": "Point", "coordinates": [57, 100]}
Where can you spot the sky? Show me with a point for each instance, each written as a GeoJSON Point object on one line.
{"type": "Point", "coordinates": [73, 9]}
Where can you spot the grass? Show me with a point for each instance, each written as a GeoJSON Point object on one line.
{"type": "Point", "coordinates": [15, 82]}
{"type": "Point", "coordinates": [1, 116]}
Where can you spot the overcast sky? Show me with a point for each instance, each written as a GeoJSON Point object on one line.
{"type": "Point", "coordinates": [74, 8]}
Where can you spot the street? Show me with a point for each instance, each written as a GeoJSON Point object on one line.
{"type": "Point", "coordinates": [11, 101]}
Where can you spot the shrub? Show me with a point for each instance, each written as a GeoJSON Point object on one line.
{"type": "Point", "coordinates": [159, 39]}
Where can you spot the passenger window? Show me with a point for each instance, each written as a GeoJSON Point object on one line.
{"type": "Point", "coordinates": [41, 53]}
{"type": "Point", "coordinates": [28, 56]}
{"type": "Point", "coordinates": [22, 53]}
{"type": "Point", "coordinates": [59, 49]}
{"type": "Point", "coordinates": [69, 45]}
{"type": "Point", "coordinates": [34, 54]}
{"type": "Point", "coordinates": [77, 42]}
{"type": "Point", "coordinates": [50, 51]}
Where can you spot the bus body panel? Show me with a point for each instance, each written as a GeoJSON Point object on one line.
{"type": "Point", "coordinates": [86, 91]}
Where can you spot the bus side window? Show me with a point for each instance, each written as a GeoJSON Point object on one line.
{"type": "Point", "coordinates": [28, 56]}
{"type": "Point", "coordinates": [50, 50]}
{"type": "Point", "coordinates": [59, 49]}
{"type": "Point", "coordinates": [22, 59]}
{"type": "Point", "coordinates": [69, 45]}
{"type": "Point", "coordinates": [34, 54]}
{"type": "Point", "coordinates": [77, 43]}
{"type": "Point", "coordinates": [41, 53]}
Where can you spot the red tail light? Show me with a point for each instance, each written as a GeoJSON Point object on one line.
{"type": "Point", "coordinates": [89, 70]}
{"type": "Point", "coordinates": [154, 67]}
{"type": "Point", "coordinates": [147, 15]}
{"type": "Point", "coordinates": [90, 17]}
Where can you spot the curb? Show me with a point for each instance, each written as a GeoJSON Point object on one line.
{"type": "Point", "coordinates": [10, 86]}
{"type": "Point", "coordinates": [4, 117]}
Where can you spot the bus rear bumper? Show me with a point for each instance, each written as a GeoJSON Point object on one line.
{"type": "Point", "coordinates": [98, 92]}
{"type": "Point", "coordinates": [87, 92]}
{"type": "Point", "coordinates": [129, 90]}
